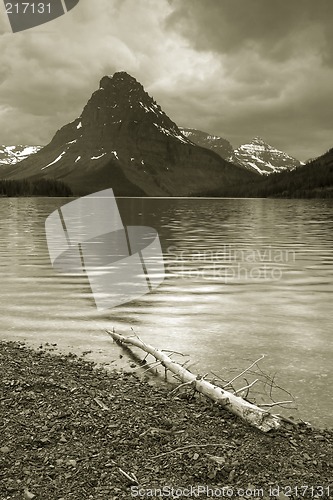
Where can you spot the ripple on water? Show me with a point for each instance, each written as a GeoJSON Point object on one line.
{"type": "Point", "coordinates": [214, 304]}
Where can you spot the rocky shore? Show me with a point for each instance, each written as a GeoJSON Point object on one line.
{"type": "Point", "coordinates": [72, 430]}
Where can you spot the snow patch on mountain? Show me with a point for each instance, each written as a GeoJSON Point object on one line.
{"type": "Point", "coordinates": [54, 161]}
{"type": "Point", "coordinates": [10, 155]}
{"type": "Point", "coordinates": [173, 133]}
{"type": "Point", "coordinates": [97, 157]}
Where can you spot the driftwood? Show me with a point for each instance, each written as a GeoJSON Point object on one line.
{"type": "Point", "coordinates": [250, 413]}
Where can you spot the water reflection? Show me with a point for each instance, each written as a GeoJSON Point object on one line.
{"type": "Point", "coordinates": [204, 307]}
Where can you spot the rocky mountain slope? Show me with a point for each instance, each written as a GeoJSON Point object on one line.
{"type": "Point", "coordinates": [214, 142]}
{"type": "Point", "coordinates": [259, 156]}
{"type": "Point", "coordinates": [10, 155]}
{"type": "Point", "coordinates": [256, 156]}
{"type": "Point", "coordinates": [124, 140]}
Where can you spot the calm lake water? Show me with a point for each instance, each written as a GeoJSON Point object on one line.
{"type": "Point", "coordinates": [244, 277]}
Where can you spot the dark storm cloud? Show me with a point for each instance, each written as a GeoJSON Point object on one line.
{"type": "Point", "coordinates": [276, 76]}
{"type": "Point", "coordinates": [272, 27]}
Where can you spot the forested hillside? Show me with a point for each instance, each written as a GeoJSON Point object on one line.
{"type": "Point", "coordinates": [38, 187]}
{"type": "Point", "coordinates": [313, 180]}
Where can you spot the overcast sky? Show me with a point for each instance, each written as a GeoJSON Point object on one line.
{"type": "Point", "coordinates": [235, 68]}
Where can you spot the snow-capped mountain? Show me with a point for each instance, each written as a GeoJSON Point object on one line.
{"type": "Point", "coordinates": [260, 157]}
{"type": "Point", "coordinates": [214, 142]}
{"type": "Point", "coordinates": [124, 140]}
{"type": "Point", "coordinates": [256, 156]}
{"type": "Point", "coordinates": [10, 155]}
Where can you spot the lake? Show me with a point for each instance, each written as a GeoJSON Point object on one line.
{"type": "Point", "coordinates": [244, 277]}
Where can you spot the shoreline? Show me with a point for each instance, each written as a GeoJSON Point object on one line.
{"type": "Point", "coordinates": [71, 429]}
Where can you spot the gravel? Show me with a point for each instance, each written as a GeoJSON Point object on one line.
{"type": "Point", "coordinates": [72, 430]}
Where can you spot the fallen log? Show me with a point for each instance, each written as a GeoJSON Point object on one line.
{"type": "Point", "coordinates": [250, 413]}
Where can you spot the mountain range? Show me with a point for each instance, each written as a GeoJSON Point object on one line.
{"type": "Point", "coordinates": [256, 155]}
{"type": "Point", "coordinates": [124, 140]}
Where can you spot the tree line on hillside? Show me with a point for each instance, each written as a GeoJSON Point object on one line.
{"type": "Point", "coordinates": [36, 187]}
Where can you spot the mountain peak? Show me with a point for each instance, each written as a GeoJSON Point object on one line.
{"type": "Point", "coordinates": [258, 140]}
{"type": "Point", "coordinates": [256, 155]}
{"type": "Point", "coordinates": [263, 158]}
{"type": "Point", "coordinates": [125, 140]}
{"type": "Point", "coordinates": [118, 78]}
{"type": "Point", "coordinates": [121, 102]}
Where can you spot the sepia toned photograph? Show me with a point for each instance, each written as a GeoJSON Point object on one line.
{"type": "Point", "coordinates": [166, 249]}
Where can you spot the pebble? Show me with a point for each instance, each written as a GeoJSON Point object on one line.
{"type": "Point", "coordinates": [28, 495]}
{"type": "Point", "coordinates": [232, 476]}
